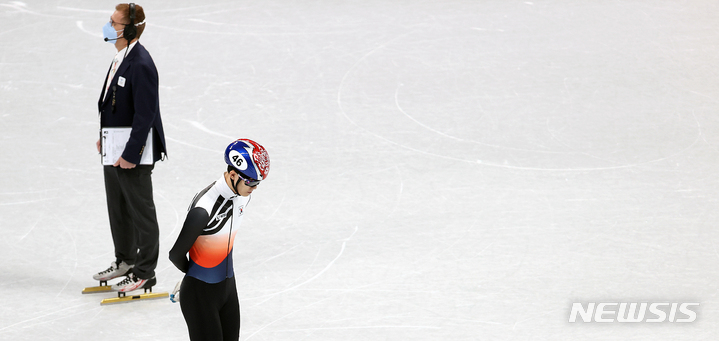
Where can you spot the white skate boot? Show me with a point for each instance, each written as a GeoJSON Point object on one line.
{"type": "Point", "coordinates": [132, 282]}
{"type": "Point", "coordinates": [115, 270]}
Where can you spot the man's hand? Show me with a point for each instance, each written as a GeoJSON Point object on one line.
{"type": "Point", "coordinates": [99, 146]}
{"type": "Point", "coordinates": [124, 164]}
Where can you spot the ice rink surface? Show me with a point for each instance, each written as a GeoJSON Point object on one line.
{"type": "Point", "coordinates": [441, 170]}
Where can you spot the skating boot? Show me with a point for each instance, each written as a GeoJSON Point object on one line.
{"type": "Point", "coordinates": [132, 283]}
{"type": "Point", "coordinates": [115, 270]}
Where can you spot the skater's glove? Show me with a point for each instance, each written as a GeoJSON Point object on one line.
{"type": "Point", "coordinates": [175, 294]}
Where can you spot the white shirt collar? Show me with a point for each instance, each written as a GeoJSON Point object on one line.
{"type": "Point", "coordinates": [120, 56]}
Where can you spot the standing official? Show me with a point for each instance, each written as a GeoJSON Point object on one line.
{"type": "Point", "coordinates": [130, 100]}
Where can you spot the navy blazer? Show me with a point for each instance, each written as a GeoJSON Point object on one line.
{"type": "Point", "coordinates": [134, 102]}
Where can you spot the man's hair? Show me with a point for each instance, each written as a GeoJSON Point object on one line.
{"type": "Point", "coordinates": [139, 16]}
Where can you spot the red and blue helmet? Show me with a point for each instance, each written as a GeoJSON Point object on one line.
{"type": "Point", "coordinates": [249, 158]}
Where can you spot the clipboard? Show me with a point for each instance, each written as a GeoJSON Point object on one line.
{"type": "Point", "coordinates": [113, 141]}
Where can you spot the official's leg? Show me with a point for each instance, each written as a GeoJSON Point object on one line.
{"type": "Point", "coordinates": [137, 188]}
{"type": "Point", "coordinates": [230, 312]}
{"type": "Point", "coordinates": [121, 226]}
{"type": "Point", "coordinates": [198, 302]}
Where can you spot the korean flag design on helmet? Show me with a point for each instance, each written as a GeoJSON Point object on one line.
{"type": "Point", "coordinates": [249, 158]}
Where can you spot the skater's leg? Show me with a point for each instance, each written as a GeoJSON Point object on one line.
{"type": "Point", "coordinates": [199, 304]}
{"type": "Point", "coordinates": [230, 312]}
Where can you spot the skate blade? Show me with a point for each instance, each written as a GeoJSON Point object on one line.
{"type": "Point", "coordinates": [97, 289]}
{"type": "Point", "coordinates": [128, 298]}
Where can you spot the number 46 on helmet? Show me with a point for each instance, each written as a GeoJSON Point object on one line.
{"type": "Point", "coordinates": [249, 158]}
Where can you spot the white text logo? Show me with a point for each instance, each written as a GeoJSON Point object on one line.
{"type": "Point", "coordinates": [634, 312]}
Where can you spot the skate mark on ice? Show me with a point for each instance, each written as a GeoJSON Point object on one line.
{"type": "Point", "coordinates": [365, 327]}
{"type": "Point", "coordinates": [340, 292]}
{"type": "Point", "coordinates": [20, 6]}
{"type": "Point", "coordinates": [201, 127]}
{"type": "Point", "coordinates": [327, 267]}
{"type": "Point", "coordinates": [250, 268]}
{"type": "Point", "coordinates": [26, 202]}
{"type": "Point", "coordinates": [190, 145]}
{"type": "Point", "coordinates": [343, 112]}
{"type": "Point", "coordinates": [75, 257]}
{"type": "Point", "coordinates": [177, 220]}
{"type": "Point", "coordinates": [80, 25]}
{"type": "Point", "coordinates": [514, 327]}
{"type": "Point", "coordinates": [30, 230]}
{"type": "Point", "coordinates": [440, 133]}
{"type": "Point", "coordinates": [42, 317]}
{"type": "Point", "coordinates": [277, 208]}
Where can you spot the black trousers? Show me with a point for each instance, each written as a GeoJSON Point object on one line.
{"type": "Point", "coordinates": [211, 311]}
{"type": "Point", "coordinates": [133, 220]}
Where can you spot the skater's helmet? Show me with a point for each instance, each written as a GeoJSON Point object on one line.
{"type": "Point", "coordinates": [249, 158]}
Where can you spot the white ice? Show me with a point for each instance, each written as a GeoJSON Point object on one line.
{"type": "Point", "coordinates": [441, 170]}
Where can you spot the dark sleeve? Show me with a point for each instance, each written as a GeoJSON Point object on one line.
{"type": "Point", "coordinates": [145, 97]}
{"type": "Point", "coordinates": [196, 220]}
